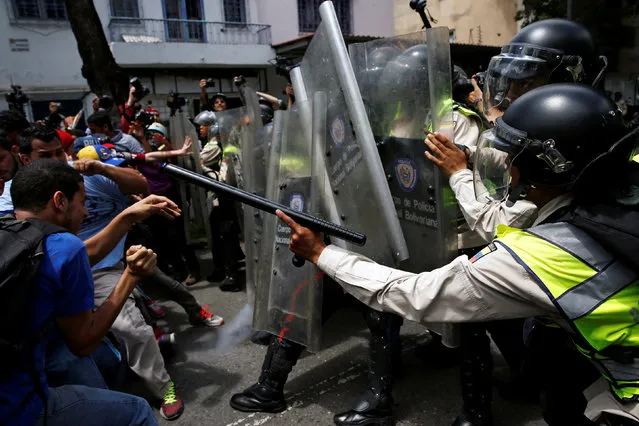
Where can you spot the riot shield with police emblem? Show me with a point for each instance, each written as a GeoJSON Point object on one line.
{"type": "Point", "coordinates": [357, 181]}
{"type": "Point", "coordinates": [194, 200]}
{"type": "Point", "coordinates": [407, 85]}
{"type": "Point", "coordinates": [289, 298]}
{"type": "Point", "coordinates": [405, 82]}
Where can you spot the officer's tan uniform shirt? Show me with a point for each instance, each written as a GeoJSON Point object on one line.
{"type": "Point", "coordinates": [482, 218]}
{"type": "Point", "coordinates": [492, 287]}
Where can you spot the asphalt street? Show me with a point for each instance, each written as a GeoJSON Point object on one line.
{"type": "Point", "coordinates": [210, 365]}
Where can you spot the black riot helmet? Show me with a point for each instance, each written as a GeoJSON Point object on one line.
{"type": "Point", "coordinates": [551, 134]}
{"type": "Point", "coordinates": [375, 61]}
{"type": "Point", "coordinates": [461, 85]}
{"type": "Point", "coordinates": [548, 51]}
{"type": "Point", "coordinates": [403, 86]}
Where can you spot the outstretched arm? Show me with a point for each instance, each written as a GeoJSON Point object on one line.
{"type": "Point", "coordinates": [493, 287]}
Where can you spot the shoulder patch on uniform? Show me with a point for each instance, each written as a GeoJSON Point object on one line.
{"type": "Point", "coordinates": [485, 251]}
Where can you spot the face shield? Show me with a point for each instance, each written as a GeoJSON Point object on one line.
{"type": "Point", "coordinates": [214, 130]}
{"type": "Point", "coordinates": [519, 69]}
{"type": "Point", "coordinates": [497, 149]}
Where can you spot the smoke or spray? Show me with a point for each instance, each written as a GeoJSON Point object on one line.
{"type": "Point", "coordinates": [236, 331]}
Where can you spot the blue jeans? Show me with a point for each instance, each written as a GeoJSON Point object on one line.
{"type": "Point", "coordinates": [81, 405]}
{"type": "Point", "coordinates": [99, 370]}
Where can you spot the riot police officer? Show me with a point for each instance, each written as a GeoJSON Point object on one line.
{"type": "Point", "coordinates": [571, 266]}
{"type": "Point", "coordinates": [554, 50]}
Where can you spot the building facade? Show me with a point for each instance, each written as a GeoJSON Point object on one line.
{"type": "Point", "coordinates": [169, 44]}
{"type": "Point", "coordinates": [483, 22]}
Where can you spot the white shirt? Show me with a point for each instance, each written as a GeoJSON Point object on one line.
{"type": "Point", "coordinates": [495, 286]}
{"type": "Point", "coordinates": [482, 219]}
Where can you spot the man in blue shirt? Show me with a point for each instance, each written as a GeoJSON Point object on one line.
{"type": "Point", "coordinates": [104, 232]}
{"type": "Point", "coordinates": [53, 192]}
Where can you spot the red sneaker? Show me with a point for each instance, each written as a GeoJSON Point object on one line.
{"type": "Point", "coordinates": [155, 310]}
{"type": "Point", "coordinates": [172, 406]}
{"type": "Point", "coordinates": [204, 317]}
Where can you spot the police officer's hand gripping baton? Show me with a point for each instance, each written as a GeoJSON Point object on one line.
{"type": "Point", "coordinates": [304, 219]}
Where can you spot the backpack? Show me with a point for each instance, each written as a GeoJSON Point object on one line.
{"type": "Point", "coordinates": [21, 251]}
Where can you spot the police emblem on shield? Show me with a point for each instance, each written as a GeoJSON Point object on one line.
{"type": "Point", "coordinates": [338, 131]}
{"type": "Point", "coordinates": [406, 173]}
{"type": "Point", "coordinates": [297, 202]}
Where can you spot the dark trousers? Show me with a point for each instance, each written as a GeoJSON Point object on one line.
{"type": "Point", "coordinates": [225, 244]}
{"type": "Point", "coordinates": [553, 364]}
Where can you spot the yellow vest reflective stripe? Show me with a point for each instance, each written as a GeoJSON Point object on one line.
{"type": "Point", "coordinates": [597, 294]}
{"type": "Point", "coordinates": [471, 114]}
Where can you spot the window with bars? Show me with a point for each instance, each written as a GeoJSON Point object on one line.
{"type": "Point", "coordinates": [124, 8]}
{"type": "Point", "coordinates": [39, 9]}
{"type": "Point", "coordinates": [235, 11]}
{"type": "Point", "coordinates": [309, 16]}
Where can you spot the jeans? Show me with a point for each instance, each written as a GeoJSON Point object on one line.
{"type": "Point", "coordinates": [64, 368]}
{"type": "Point", "coordinates": [81, 405]}
{"type": "Point", "coordinates": [102, 369]}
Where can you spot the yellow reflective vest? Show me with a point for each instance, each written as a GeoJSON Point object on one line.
{"type": "Point", "coordinates": [597, 295]}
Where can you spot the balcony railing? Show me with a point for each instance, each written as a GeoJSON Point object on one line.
{"type": "Point", "coordinates": [139, 30]}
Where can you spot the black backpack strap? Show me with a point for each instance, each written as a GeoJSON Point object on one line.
{"type": "Point", "coordinates": [46, 228]}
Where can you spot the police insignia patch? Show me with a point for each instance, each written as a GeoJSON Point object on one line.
{"type": "Point", "coordinates": [296, 202]}
{"type": "Point", "coordinates": [483, 252]}
{"type": "Point", "coordinates": [406, 173]}
{"type": "Point", "coordinates": [338, 131]}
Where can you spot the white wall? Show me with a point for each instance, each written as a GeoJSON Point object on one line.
{"type": "Point", "coordinates": [192, 54]}
{"type": "Point", "coordinates": [373, 17]}
{"type": "Point", "coordinates": [281, 15]}
{"type": "Point", "coordinates": [52, 62]}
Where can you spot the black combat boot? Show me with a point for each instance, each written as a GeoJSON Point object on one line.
{"type": "Point", "coordinates": [267, 395]}
{"type": "Point", "coordinates": [476, 377]}
{"type": "Point", "coordinates": [375, 405]}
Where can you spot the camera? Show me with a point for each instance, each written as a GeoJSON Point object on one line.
{"type": "Point", "coordinates": [144, 118]}
{"type": "Point", "coordinates": [140, 90]}
{"type": "Point", "coordinates": [106, 103]}
{"type": "Point", "coordinates": [53, 120]}
{"type": "Point", "coordinates": [175, 101]}
{"type": "Point", "coordinates": [16, 99]}
{"type": "Point", "coordinates": [210, 82]}
{"type": "Point", "coordinates": [283, 66]}
{"type": "Point", "coordinates": [480, 78]}
{"type": "Point", "coordinates": [239, 81]}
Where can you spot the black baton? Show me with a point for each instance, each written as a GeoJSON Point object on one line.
{"type": "Point", "coordinates": [260, 203]}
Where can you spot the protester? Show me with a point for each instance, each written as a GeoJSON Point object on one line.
{"type": "Point", "coordinates": [52, 192]}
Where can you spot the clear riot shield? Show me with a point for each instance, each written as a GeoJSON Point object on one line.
{"type": "Point", "coordinates": [406, 86]}
{"type": "Point", "coordinates": [233, 123]}
{"type": "Point", "coordinates": [254, 148]}
{"type": "Point", "coordinates": [194, 201]}
{"type": "Point", "coordinates": [289, 299]}
{"type": "Point", "coordinates": [360, 195]}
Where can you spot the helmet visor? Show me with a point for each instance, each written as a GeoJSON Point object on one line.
{"type": "Point", "coordinates": [492, 168]}
{"type": "Point", "coordinates": [510, 76]}
{"type": "Point", "coordinates": [214, 130]}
